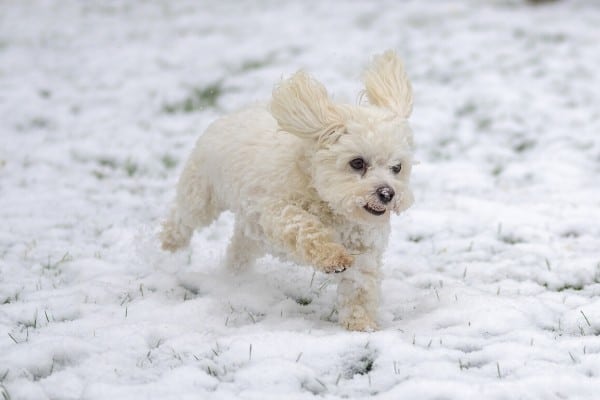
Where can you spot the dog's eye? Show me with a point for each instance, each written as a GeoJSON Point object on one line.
{"type": "Point", "coordinates": [397, 168]}
{"type": "Point", "coordinates": [358, 164]}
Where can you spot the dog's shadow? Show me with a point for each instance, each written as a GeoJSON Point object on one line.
{"type": "Point", "coordinates": [278, 294]}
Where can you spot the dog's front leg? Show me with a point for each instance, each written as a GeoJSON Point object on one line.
{"type": "Point", "coordinates": [358, 295]}
{"type": "Point", "coordinates": [297, 232]}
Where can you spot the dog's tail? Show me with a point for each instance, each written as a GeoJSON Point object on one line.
{"type": "Point", "coordinates": [195, 206]}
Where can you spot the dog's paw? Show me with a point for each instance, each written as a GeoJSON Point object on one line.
{"type": "Point", "coordinates": [360, 324]}
{"type": "Point", "coordinates": [335, 259]}
{"type": "Point", "coordinates": [358, 320]}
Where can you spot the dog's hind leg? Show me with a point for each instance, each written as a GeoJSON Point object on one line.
{"type": "Point", "coordinates": [195, 207]}
{"type": "Point", "coordinates": [242, 250]}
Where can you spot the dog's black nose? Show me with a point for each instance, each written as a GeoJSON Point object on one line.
{"type": "Point", "coordinates": [385, 194]}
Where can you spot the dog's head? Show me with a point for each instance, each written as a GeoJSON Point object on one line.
{"type": "Point", "coordinates": [360, 156]}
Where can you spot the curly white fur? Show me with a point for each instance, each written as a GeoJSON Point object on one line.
{"type": "Point", "coordinates": [285, 171]}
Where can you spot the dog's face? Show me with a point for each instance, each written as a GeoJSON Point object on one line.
{"type": "Point", "coordinates": [363, 174]}
{"type": "Point", "coordinates": [361, 156]}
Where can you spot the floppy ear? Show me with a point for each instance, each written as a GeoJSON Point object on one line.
{"type": "Point", "coordinates": [387, 86]}
{"type": "Point", "coordinates": [302, 107]}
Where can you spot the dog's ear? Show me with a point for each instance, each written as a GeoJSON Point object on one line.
{"type": "Point", "coordinates": [387, 86]}
{"type": "Point", "coordinates": [302, 107]}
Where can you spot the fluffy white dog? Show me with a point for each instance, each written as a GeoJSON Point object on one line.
{"type": "Point", "coordinates": [309, 180]}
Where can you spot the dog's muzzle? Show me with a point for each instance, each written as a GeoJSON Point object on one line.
{"type": "Point", "coordinates": [385, 194]}
{"type": "Point", "coordinates": [373, 210]}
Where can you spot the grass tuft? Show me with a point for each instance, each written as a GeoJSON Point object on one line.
{"type": "Point", "coordinates": [511, 239]}
{"type": "Point", "coordinates": [130, 167]}
{"type": "Point", "coordinates": [107, 162]}
{"type": "Point", "coordinates": [254, 64]}
{"type": "Point", "coordinates": [64, 259]}
{"type": "Point", "coordinates": [585, 317]}
{"type": "Point", "coordinates": [303, 301]}
{"type": "Point", "coordinates": [197, 99]}
{"type": "Point", "coordinates": [497, 170]}
{"type": "Point", "coordinates": [368, 365]}
{"type": "Point", "coordinates": [524, 146]}
{"type": "Point", "coordinates": [168, 161]}
{"type": "Point", "coordinates": [44, 93]}
{"type": "Point", "coordinates": [13, 338]}
{"type": "Point", "coordinates": [4, 392]}
{"type": "Point", "coordinates": [416, 238]}
{"type": "Point", "coordinates": [468, 108]}
{"type": "Point", "coordinates": [362, 366]}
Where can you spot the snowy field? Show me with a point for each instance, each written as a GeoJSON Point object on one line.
{"type": "Point", "coordinates": [491, 283]}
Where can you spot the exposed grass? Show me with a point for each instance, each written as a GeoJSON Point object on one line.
{"type": "Point", "coordinates": [130, 167]}
{"type": "Point", "coordinates": [168, 161]}
{"type": "Point", "coordinates": [524, 146]}
{"type": "Point", "coordinates": [497, 170]}
{"type": "Point", "coordinates": [572, 357]}
{"type": "Point", "coordinates": [483, 124]}
{"type": "Point", "coordinates": [570, 234]}
{"type": "Point", "coordinates": [465, 365]}
{"type": "Point", "coordinates": [575, 287]}
{"type": "Point", "coordinates": [416, 238]}
{"type": "Point", "coordinates": [255, 64]}
{"type": "Point", "coordinates": [11, 299]}
{"type": "Point", "coordinates": [54, 265]}
{"type": "Point", "coordinates": [585, 317]}
{"type": "Point", "coordinates": [13, 338]}
{"type": "Point", "coordinates": [108, 165]}
{"type": "Point", "coordinates": [45, 93]}
{"type": "Point", "coordinates": [197, 99]}
{"type": "Point", "coordinates": [108, 162]}
{"type": "Point", "coordinates": [4, 392]}
{"type": "Point", "coordinates": [362, 365]}
{"type": "Point", "coordinates": [468, 108]}
{"type": "Point", "coordinates": [99, 175]}
{"type": "Point", "coordinates": [34, 123]}
{"type": "Point", "coordinates": [498, 370]}
{"type": "Point", "coordinates": [32, 323]}
{"type": "Point", "coordinates": [303, 301]}
{"type": "Point", "coordinates": [511, 239]}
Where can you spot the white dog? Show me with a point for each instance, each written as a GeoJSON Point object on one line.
{"type": "Point", "coordinates": [308, 180]}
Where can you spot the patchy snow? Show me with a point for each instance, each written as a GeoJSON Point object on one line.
{"type": "Point", "coordinates": [492, 279]}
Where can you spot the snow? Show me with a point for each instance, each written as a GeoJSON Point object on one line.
{"type": "Point", "coordinates": [492, 278]}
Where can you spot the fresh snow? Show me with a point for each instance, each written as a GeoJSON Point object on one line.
{"type": "Point", "coordinates": [491, 281]}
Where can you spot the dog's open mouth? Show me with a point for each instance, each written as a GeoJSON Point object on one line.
{"type": "Point", "coordinates": [374, 211]}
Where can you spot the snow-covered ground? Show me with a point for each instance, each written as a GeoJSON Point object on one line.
{"type": "Point", "coordinates": [492, 279]}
